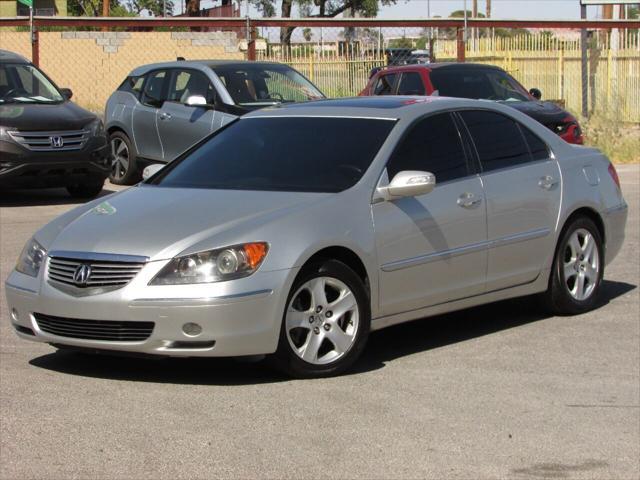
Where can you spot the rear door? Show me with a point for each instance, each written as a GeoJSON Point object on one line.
{"type": "Point", "coordinates": [523, 191]}
{"type": "Point", "coordinates": [432, 247]}
{"type": "Point", "coordinates": [145, 116]}
{"type": "Point", "coordinates": [181, 126]}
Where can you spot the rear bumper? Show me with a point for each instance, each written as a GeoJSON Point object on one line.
{"type": "Point", "coordinates": [21, 168]}
{"type": "Point", "coordinates": [615, 220]}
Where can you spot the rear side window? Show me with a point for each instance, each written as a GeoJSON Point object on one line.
{"type": "Point", "coordinates": [411, 84]}
{"type": "Point", "coordinates": [539, 149]}
{"type": "Point", "coordinates": [153, 94]}
{"type": "Point", "coordinates": [432, 145]}
{"type": "Point", "coordinates": [132, 85]}
{"type": "Point", "coordinates": [497, 138]}
{"type": "Point", "coordinates": [384, 84]}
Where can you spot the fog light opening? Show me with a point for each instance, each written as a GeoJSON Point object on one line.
{"type": "Point", "coordinates": [192, 329]}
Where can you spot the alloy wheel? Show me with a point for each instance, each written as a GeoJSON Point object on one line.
{"type": "Point", "coordinates": [322, 320]}
{"type": "Point", "coordinates": [581, 264]}
{"type": "Point", "coordinates": [120, 155]}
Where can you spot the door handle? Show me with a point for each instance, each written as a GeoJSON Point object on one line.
{"type": "Point", "coordinates": [468, 200]}
{"type": "Point", "coordinates": [165, 116]}
{"type": "Point", "coordinates": [547, 182]}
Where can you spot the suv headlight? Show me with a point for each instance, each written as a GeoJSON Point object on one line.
{"type": "Point", "coordinates": [31, 258]}
{"type": "Point", "coordinates": [211, 266]}
{"type": "Point", "coordinates": [96, 127]}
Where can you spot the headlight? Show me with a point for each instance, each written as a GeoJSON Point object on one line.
{"type": "Point", "coordinates": [96, 127]}
{"type": "Point", "coordinates": [213, 266]}
{"type": "Point", "coordinates": [31, 258]}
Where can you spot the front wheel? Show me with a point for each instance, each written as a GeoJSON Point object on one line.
{"type": "Point", "coordinates": [578, 269]}
{"type": "Point", "coordinates": [124, 168]}
{"type": "Point", "coordinates": [326, 322]}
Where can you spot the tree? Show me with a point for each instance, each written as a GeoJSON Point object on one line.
{"type": "Point", "coordinates": [117, 8]}
{"type": "Point", "coordinates": [317, 9]}
{"type": "Point", "coordinates": [307, 33]}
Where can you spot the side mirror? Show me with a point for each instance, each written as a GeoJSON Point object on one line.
{"type": "Point", "coordinates": [408, 183]}
{"type": "Point", "coordinates": [66, 93]}
{"type": "Point", "coordinates": [151, 170]}
{"type": "Point", "coordinates": [196, 101]}
{"type": "Point", "coordinates": [535, 93]}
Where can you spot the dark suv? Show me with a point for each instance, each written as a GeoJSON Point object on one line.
{"type": "Point", "coordinates": [46, 140]}
{"type": "Point", "coordinates": [477, 81]}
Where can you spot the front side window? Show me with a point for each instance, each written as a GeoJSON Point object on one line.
{"type": "Point", "coordinates": [153, 94]}
{"type": "Point", "coordinates": [187, 83]}
{"type": "Point", "coordinates": [477, 83]}
{"type": "Point", "coordinates": [432, 145]}
{"type": "Point", "coordinates": [296, 154]}
{"type": "Point", "coordinates": [497, 138]}
{"type": "Point", "coordinates": [384, 85]}
{"type": "Point", "coordinates": [257, 85]}
{"type": "Point", "coordinates": [411, 84]}
{"type": "Point", "coordinates": [24, 83]}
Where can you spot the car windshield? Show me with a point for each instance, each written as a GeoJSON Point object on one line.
{"type": "Point", "coordinates": [474, 83]}
{"type": "Point", "coordinates": [297, 154]}
{"type": "Point", "coordinates": [23, 83]}
{"type": "Point", "coordinates": [259, 84]}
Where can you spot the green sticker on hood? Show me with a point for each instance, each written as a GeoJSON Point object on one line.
{"type": "Point", "coordinates": [105, 208]}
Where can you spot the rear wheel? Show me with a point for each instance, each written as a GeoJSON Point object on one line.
{"type": "Point", "coordinates": [578, 269]}
{"type": "Point", "coordinates": [124, 168]}
{"type": "Point", "coordinates": [326, 322]}
{"type": "Point", "coordinates": [89, 189]}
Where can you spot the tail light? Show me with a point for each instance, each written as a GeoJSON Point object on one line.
{"type": "Point", "coordinates": [614, 174]}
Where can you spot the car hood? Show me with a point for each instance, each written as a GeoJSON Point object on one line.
{"type": "Point", "coordinates": [543, 112]}
{"type": "Point", "coordinates": [161, 223]}
{"type": "Point", "coordinates": [48, 117]}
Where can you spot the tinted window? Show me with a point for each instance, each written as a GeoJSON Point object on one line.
{"type": "Point", "coordinates": [411, 84]}
{"type": "Point", "coordinates": [384, 85]}
{"type": "Point", "coordinates": [497, 139]}
{"type": "Point", "coordinates": [287, 154]}
{"type": "Point", "coordinates": [23, 83]}
{"type": "Point", "coordinates": [433, 145]}
{"type": "Point", "coordinates": [477, 83]}
{"type": "Point", "coordinates": [132, 85]}
{"type": "Point", "coordinates": [186, 83]}
{"type": "Point", "coordinates": [539, 149]}
{"type": "Point", "coordinates": [153, 89]}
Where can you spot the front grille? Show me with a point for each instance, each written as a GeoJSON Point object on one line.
{"type": "Point", "coordinates": [108, 274]}
{"type": "Point", "coordinates": [107, 330]}
{"type": "Point", "coordinates": [62, 141]}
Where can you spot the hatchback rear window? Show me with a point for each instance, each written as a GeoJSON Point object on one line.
{"type": "Point", "coordinates": [298, 154]}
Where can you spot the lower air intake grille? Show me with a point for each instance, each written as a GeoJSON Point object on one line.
{"type": "Point", "coordinates": [106, 330]}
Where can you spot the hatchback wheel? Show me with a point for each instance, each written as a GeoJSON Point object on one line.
{"type": "Point", "coordinates": [578, 269]}
{"type": "Point", "coordinates": [326, 322]}
{"type": "Point", "coordinates": [124, 169]}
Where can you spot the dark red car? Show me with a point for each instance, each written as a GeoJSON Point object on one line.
{"type": "Point", "coordinates": [469, 80]}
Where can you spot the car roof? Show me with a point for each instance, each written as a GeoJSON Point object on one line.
{"type": "Point", "coordinates": [197, 64]}
{"type": "Point", "coordinates": [441, 66]}
{"type": "Point", "coordinates": [381, 107]}
{"type": "Point", "coordinates": [7, 56]}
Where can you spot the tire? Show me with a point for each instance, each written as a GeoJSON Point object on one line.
{"type": "Point", "coordinates": [124, 165]}
{"type": "Point", "coordinates": [314, 342]}
{"type": "Point", "coordinates": [578, 269]}
{"type": "Point", "coordinates": [90, 189]}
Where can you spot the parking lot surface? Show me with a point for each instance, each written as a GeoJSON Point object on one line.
{"type": "Point", "coordinates": [500, 391]}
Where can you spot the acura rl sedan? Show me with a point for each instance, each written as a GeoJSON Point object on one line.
{"type": "Point", "coordinates": [295, 231]}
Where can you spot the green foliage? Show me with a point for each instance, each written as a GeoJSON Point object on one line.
{"type": "Point", "coordinates": [118, 8]}
{"type": "Point", "coordinates": [320, 8]}
{"type": "Point", "coordinates": [400, 43]}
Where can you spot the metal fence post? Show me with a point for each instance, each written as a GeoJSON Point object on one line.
{"type": "Point", "coordinates": [460, 46]}
{"type": "Point", "coordinates": [583, 64]}
{"type": "Point", "coordinates": [251, 40]}
{"type": "Point", "coordinates": [35, 47]}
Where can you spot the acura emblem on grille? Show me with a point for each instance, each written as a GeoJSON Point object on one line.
{"type": "Point", "coordinates": [82, 274]}
{"type": "Point", "coordinates": [56, 141]}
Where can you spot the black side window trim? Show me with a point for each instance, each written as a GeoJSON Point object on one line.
{"type": "Point", "coordinates": [471, 171]}
{"type": "Point", "coordinates": [165, 86]}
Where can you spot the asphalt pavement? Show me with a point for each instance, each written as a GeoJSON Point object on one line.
{"type": "Point", "coordinates": [499, 391]}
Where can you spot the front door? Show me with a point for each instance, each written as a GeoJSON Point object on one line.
{"type": "Point", "coordinates": [432, 248]}
{"type": "Point", "coordinates": [522, 186]}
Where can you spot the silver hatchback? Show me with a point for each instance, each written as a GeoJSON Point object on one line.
{"type": "Point", "coordinates": [295, 231]}
{"type": "Point", "coordinates": [162, 109]}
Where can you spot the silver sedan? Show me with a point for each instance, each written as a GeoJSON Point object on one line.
{"type": "Point", "coordinates": [295, 231]}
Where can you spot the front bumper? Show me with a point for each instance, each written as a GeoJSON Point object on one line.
{"type": "Point", "coordinates": [22, 168]}
{"type": "Point", "coordinates": [239, 317]}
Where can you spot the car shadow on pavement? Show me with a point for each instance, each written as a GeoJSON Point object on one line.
{"type": "Point", "coordinates": [384, 346]}
{"type": "Point", "coordinates": [43, 196]}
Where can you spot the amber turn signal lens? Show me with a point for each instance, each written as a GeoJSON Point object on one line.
{"type": "Point", "coordinates": [255, 253]}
